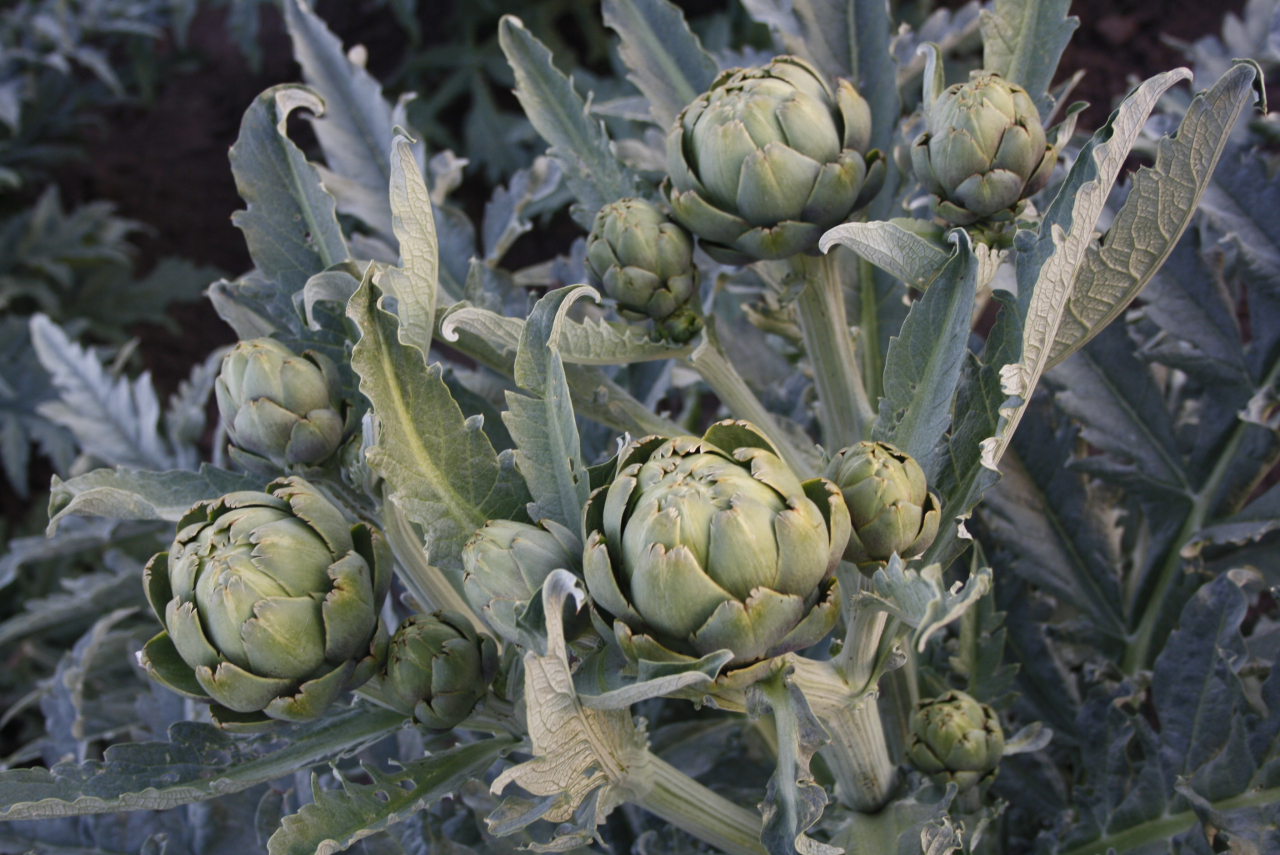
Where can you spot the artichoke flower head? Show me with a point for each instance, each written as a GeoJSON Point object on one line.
{"type": "Point", "coordinates": [703, 545]}
{"type": "Point", "coordinates": [438, 668]}
{"type": "Point", "coordinates": [954, 738]}
{"type": "Point", "coordinates": [890, 506]}
{"type": "Point", "coordinates": [770, 158]}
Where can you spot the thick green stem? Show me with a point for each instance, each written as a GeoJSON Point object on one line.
{"type": "Point", "coordinates": [709, 360]}
{"type": "Point", "coordinates": [668, 793]}
{"type": "Point", "coordinates": [858, 754]}
{"type": "Point", "coordinates": [869, 331]}
{"type": "Point", "coordinates": [845, 411]}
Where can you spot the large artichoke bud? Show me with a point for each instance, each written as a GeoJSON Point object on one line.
{"type": "Point", "coordinates": [279, 406]}
{"type": "Point", "coordinates": [955, 738]}
{"type": "Point", "coordinates": [700, 545]}
{"type": "Point", "coordinates": [983, 151]}
{"type": "Point", "coordinates": [506, 563]}
{"type": "Point", "coordinates": [270, 604]}
{"type": "Point", "coordinates": [769, 159]}
{"type": "Point", "coordinates": [890, 506]}
{"type": "Point", "coordinates": [438, 668]}
{"type": "Point", "coordinates": [645, 262]}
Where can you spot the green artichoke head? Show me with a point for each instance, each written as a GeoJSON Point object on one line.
{"type": "Point", "coordinates": [438, 668]}
{"type": "Point", "coordinates": [701, 545]}
{"type": "Point", "coordinates": [644, 262]}
{"type": "Point", "coordinates": [983, 151]}
{"type": "Point", "coordinates": [890, 506]}
{"type": "Point", "coordinates": [770, 158]}
{"type": "Point", "coordinates": [955, 738]}
{"type": "Point", "coordinates": [278, 406]}
{"type": "Point", "coordinates": [270, 604]}
{"type": "Point", "coordinates": [506, 563]}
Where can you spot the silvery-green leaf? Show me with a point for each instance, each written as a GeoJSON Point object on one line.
{"type": "Point", "coordinates": [921, 598]}
{"type": "Point", "coordinates": [290, 224]}
{"type": "Point", "coordinates": [562, 118]}
{"type": "Point", "coordinates": [1050, 258]}
{"type": "Point", "coordinates": [1023, 41]}
{"type": "Point", "coordinates": [414, 283]}
{"type": "Point", "coordinates": [1033, 737]}
{"type": "Point", "coordinates": [137, 494]}
{"type": "Point", "coordinates": [504, 218]}
{"type": "Point", "coordinates": [79, 602]}
{"type": "Point", "coordinates": [886, 244]}
{"type": "Point", "coordinates": [424, 436]}
{"type": "Point", "coordinates": [1156, 213]}
{"type": "Point", "coordinates": [334, 286]}
{"type": "Point", "coordinates": [185, 418]}
{"type": "Point", "coordinates": [199, 762]}
{"type": "Point", "coordinates": [355, 129]}
{"type": "Point", "coordinates": [75, 535]}
{"type": "Point", "coordinates": [340, 817]}
{"type": "Point", "coordinates": [665, 60]}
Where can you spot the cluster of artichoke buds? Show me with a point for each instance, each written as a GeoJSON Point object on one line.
{"type": "Point", "coordinates": [890, 506]}
{"type": "Point", "coordinates": [770, 158]}
{"type": "Point", "coordinates": [645, 262]}
{"type": "Point", "coordinates": [280, 409]}
{"type": "Point", "coordinates": [954, 738]}
{"type": "Point", "coordinates": [702, 545]}
{"type": "Point", "coordinates": [270, 603]}
{"type": "Point", "coordinates": [983, 151]}
{"type": "Point", "coordinates": [438, 668]}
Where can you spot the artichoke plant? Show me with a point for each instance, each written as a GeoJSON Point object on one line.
{"type": "Point", "coordinates": [701, 545]}
{"type": "Point", "coordinates": [890, 506]}
{"type": "Point", "coordinates": [955, 738]}
{"type": "Point", "coordinates": [270, 604]}
{"type": "Point", "coordinates": [983, 151]}
{"type": "Point", "coordinates": [438, 668]}
{"type": "Point", "coordinates": [770, 158]}
{"type": "Point", "coordinates": [645, 262]}
{"type": "Point", "coordinates": [280, 409]}
{"type": "Point", "coordinates": [506, 563]}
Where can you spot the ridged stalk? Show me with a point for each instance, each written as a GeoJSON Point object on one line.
{"type": "Point", "coordinates": [668, 793]}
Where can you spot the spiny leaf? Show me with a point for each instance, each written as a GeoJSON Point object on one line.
{"type": "Point", "coordinates": [666, 60]}
{"type": "Point", "coordinates": [1023, 41]}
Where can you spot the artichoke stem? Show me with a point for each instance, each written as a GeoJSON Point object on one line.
{"type": "Point", "coordinates": [668, 793]}
{"type": "Point", "coordinates": [845, 410]}
{"type": "Point", "coordinates": [709, 360]}
{"type": "Point", "coordinates": [858, 754]}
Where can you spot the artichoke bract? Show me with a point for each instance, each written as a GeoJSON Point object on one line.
{"type": "Point", "coordinates": [890, 506]}
{"type": "Point", "coordinates": [278, 406]}
{"type": "Point", "coordinates": [983, 151]}
{"type": "Point", "coordinates": [955, 738]}
{"type": "Point", "coordinates": [506, 563]}
{"type": "Point", "coordinates": [438, 668]}
{"type": "Point", "coordinates": [270, 603]}
{"type": "Point", "coordinates": [702, 545]}
{"type": "Point", "coordinates": [770, 158]}
{"type": "Point", "coordinates": [645, 262]}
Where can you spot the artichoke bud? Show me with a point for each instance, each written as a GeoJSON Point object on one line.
{"type": "Point", "coordinates": [983, 151]}
{"type": "Point", "coordinates": [770, 158]}
{"type": "Point", "coordinates": [955, 738]}
{"type": "Point", "coordinates": [280, 409]}
{"type": "Point", "coordinates": [438, 668]}
{"type": "Point", "coordinates": [890, 506]}
{"type": "Point", "coordinates": [270, 603]}
{"type": "Point", "coordinates": [707, 544]}
{"type": "Point", "coordinates": [506, 563]}
{"type": "Point", "coordinates": [645, 262]}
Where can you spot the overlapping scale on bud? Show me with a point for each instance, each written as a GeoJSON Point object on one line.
{"type": "Point", "coordinates": [770, 158]}
{"type": "Point", "coordinates": [644, 261]}
{"type": "Point", "coordinates": [983, 151]}
{"type": "Point", "coordinates": [701, 545]}
{"type": "Point", "coordinates": [278, 406]}
{"type": "Point", "coordinates": [954, 738]}
{"type": "Point", "coordinates": [506, 563]}
{"type": "Point", "coordinates": [270, 603]}
{"type": "Point", "coordinates": [890, 506]}
{"type": "Point", "coordinates": [438, 668]}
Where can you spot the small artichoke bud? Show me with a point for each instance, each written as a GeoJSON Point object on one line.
{"type": "Point", "coordinates": [270, 603]}
{"type": "Point", "coordinates": [506, 563]}
{"type": "Point", "coordinates": [955, 738]}
{"type": "Point", "coordinates": [889, 502]}
{"type": "Point", "coordinates": [438, 668]}
{"type": "Point", "coordinates": [278, 406]}
{"type": "Point", "coordinates": [645, 262]}
{"type": "Point", "coordinates": [983, 151]}
{"type": "Point", "coordinates": [770, 158]}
